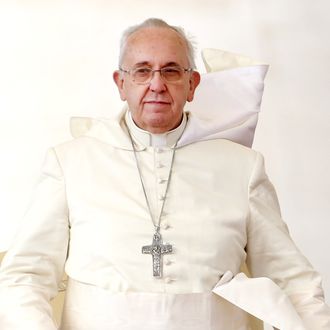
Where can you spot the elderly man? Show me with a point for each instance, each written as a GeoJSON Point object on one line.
{"type": "Point", "coordinates": [144, 226]}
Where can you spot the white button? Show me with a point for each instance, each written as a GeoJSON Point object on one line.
{"type": "Point", "coordinates": [62, 286]}
{"type": "Point", "coordinates": [161, 197]}
{"type": "Point", "coordinates": [159, 150]}
{"type": "Point", "coordinates": [168, 280]}
{"type": "Point", "coordinates": [160, 181]}
{"type": "Point", "coordinates": [167, 262]}
{"type": "Point", "coordinates": [159, 165]}
{"type": "Point", "coordinates": [165, 225]}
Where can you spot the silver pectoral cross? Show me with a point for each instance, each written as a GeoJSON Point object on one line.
{"type": "Point", "coordinates": [157, 249]}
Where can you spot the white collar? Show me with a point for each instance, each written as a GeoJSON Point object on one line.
{"type": "Point", "coordinates": [147, 139]}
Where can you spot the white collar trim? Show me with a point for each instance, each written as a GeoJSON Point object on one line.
{"type": "Point", "coordinates": [147, 139]}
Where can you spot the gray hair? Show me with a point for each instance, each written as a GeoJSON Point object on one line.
{"type": "Point", "coordinates": [157, 23]}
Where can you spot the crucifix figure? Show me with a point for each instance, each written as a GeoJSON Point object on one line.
{"type": "Point", "coordinates": [157, 249]}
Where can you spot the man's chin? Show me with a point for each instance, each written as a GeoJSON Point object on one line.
{"type": "Point", "coordinates": [156, 119]}
{"type": "Point", "coordinates": [157, 115]}
{"type": "Point", "coordinates": [156, 123]}
{"type": "Point", "coordinates": [157, 107]}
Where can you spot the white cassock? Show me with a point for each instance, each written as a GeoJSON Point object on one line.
{"type": "Point", "coordinates": [90, 216]}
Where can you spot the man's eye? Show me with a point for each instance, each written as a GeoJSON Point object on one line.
{"type": "Point", "coordinates": [171, 70]}
{"type": "Point", "coordinates": [172, 73]}
{"type": "Point", "coordinates": [142, 71]}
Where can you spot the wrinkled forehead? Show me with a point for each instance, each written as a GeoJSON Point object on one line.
{"type": "Point", "coordinates": [156, 46]}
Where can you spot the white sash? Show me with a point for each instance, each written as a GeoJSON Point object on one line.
{"type": "Point", "coordinates": [260, 297]}
{"type": "Point", "coordinates": [91, 308]}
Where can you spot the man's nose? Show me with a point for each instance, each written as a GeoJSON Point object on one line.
{"type": "Point", "coordinates": [157, 83]}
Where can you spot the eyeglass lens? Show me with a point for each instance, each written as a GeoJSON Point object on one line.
{"type": "Point", "coordinates": [145, 74]}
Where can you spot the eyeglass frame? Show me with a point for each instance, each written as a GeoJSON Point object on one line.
{"type": "Point", "coordinates": [152, 71]}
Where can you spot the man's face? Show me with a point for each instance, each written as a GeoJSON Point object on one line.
{"type": "Point", "coordinates": [156, 106]}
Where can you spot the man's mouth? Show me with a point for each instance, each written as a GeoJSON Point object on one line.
{"type": "Point", "coordinates": [156, 102]}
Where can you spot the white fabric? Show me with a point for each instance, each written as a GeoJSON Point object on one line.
{"type": "Point", "coordinates": [127, 311]}
{"type": "Point", "coordinates": [221, 210]}
{"type": "Point", "coordinates": [25, 306]}
{"type": "Point", "coordinates": [219, 60]}
{"type": "Point", "coordinates": [90, 308]}
{"type": "Point", "coordinates": [146, 138]}
{"type": "Point", "coordinates": [226, 105]}
{"type": "Point", "coordinates": [270, 305]}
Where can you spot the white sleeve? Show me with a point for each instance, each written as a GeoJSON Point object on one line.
{"type": "Point", "coordinates": [272, 253]}
{"type": "Point", "coordinates": [33, 267]}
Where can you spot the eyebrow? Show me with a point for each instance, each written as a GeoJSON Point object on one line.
{"type": "Point", "coordinates": [146, 63]}
{"type": "Point", "coordinates": [172, 64]}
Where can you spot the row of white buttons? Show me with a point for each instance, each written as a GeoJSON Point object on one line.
{"type": "Point", "coordinates": [164, 225]}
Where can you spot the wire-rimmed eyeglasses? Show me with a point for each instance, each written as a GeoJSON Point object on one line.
{"type": "Point", "coordinates": [170, 74]}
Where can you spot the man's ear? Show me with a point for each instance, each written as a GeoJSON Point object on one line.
{"type": "Point", "coordinates": [119, 81]}
{"type": "Point", "coordinates": [194, 81]}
